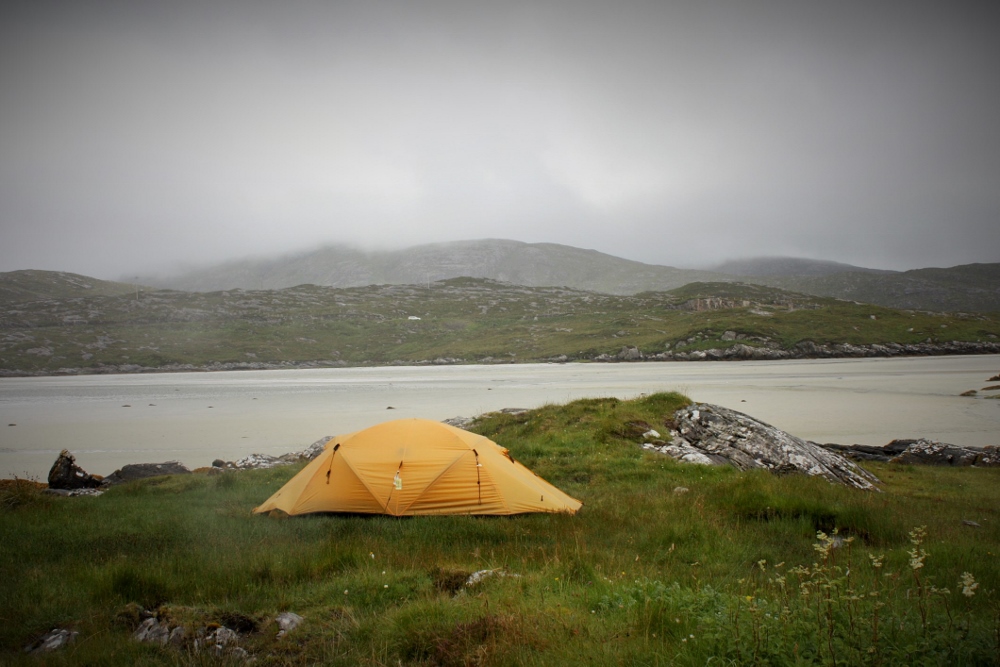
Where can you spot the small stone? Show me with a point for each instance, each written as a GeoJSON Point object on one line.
{"type": "Point", "coordinates": [681, 490]}
{"type": "Point", "coordinates": [287, 621]}
{"type": "Point", "coordinates": [971, 523]}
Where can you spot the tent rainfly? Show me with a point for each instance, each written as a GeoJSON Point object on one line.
{"type": "Point", "coordinates": [416, 466]}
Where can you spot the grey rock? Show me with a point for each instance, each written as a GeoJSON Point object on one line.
{"type": "Point", "coordinates": [52, 640]}
{"type": "Point", "coordinates": [153, 632]}
{"type": "Point", "coordinates": [459, 422]}
{"type": "Point", "coordinates": [629, 354]}
{"type": "Point", "coordinates": [66, 474]}
{"type": "Point", "coordinates": [287, 621]}
{"type": "Point", "coordinates": [134, 471]}
{"type": "Point", "coordinates": [70, 494]}
{"type": "Point", "coordinates": [922, 452]}
{"type": "Point", "coordinates": [726, 436]}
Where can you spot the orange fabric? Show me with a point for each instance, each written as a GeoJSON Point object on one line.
{"type": "Point", "coordinates": [416, 466]}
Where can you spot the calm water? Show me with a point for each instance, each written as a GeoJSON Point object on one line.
{"type": "Point", "coordinates": [198, 417]}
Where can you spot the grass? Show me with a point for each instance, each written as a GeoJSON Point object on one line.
{"type": "Point", "coordinates": [742, 568]}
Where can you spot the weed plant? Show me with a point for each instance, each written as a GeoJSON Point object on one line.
{"type": "Point", "coordinates": [741, 568]}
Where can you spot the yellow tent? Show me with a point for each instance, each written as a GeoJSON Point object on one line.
{"type": "Point", "coordinates": [416, 466]}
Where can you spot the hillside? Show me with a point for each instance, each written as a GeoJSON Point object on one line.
{"type": "Point", "coordinates": [971, 287]}
{"type": "Point", "coordinates": [788, 266]}
{"type": "Point", "coordinates": [974, 287]}
{"type": "Point", "coordinates": [31, 285]}
{"type": "Point", "coordinates": [463, 320]}
{"type": "Point", "coordinates": [531, 264]}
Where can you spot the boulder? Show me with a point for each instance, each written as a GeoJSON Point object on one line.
{"type": "Point", "coordinates": [66, 474]}
{"type": "Point", "coordinates": [134, 471]}
{"type": "Point", "coordinates": [713, 434]}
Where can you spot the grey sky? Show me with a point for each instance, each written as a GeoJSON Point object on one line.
{"type": "Point", "coordinates": [135, 136]}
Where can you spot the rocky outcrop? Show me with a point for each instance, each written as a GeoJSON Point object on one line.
{"type": "Point", "coordinates": [134, 471]}
{"type": "Point", "coordinates": [65, 474]}
{"type": "Point", "coordinates": [810, 350]}
{"type": "Point", "coordinates": [52, 640]}
{"type": "Point", "coordinates": [714, 435]}
{"type": "Point", "coordinates": [922, 451]}
{"type": "Point", "coordinates": [259, 461]}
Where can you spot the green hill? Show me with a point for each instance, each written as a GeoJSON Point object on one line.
{"type": "Point", "coordinates": [31, 285]}
{"type": "Point", "coordinates": [463, 320]}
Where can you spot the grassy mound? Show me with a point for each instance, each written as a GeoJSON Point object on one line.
{"type": "Point", "coordinates": [742, 567]}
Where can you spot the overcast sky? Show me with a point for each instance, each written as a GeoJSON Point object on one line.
{"type": "Point", "coordinates": [136, 136]}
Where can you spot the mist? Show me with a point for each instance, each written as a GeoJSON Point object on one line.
{"type": "Point", "coordinates": [140, 138]}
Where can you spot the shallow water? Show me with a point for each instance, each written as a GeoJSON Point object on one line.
{"type": "Point", "coordinates": [108, 421]}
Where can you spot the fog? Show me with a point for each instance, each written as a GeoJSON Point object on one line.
{"type": "Point", "coordinates": [139, 137]}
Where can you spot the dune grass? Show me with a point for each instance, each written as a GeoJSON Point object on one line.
{"type": "Point", "coordinates": [741, 568]}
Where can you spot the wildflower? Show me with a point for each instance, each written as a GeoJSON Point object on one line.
{"type": "Point", "coordinates": [876, 560]}
{"type": "Point", "coordinates": [969, 584]}
{"type": "Point", "coordinates": [385, 586]}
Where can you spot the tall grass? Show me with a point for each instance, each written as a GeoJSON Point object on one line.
{"type": "Point", "coordinates": [742, 568]}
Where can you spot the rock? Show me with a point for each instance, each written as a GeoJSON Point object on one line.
{"type": "Point", "coordinates": [482, 575]}
{"type": "Point", "coordinates": [651, 434]}
{"type": "Point", "coordinates": [995, 378]}
{"type": "Point", "coordinates": [65, 474]}
{"type": "Point", "coordinates": [681, 490]}
{"type": "Point", "coordinates": [685, 452]}
{"type": "Point", "coordinates": [287, 621]}
{"type": "Point", "coordinates": [966, 522]}
{"type": "Point", "coordinates": [931, 452]}
{"type": "Point", "coordinates": [726, 436]}
{"type": "Point", "coordinates": [52, 640]}
{"type": "Point", "coordinates": [629, 354]}
{"type": "Point", "coordinates": [134, 471]}
{"type": "Point", "coordinates": [315, 449]}
{"type": "Point", "coordinates": [922, 451]}
{"type": "Point", "coordinates": [459, 422]}
{"type": "Point", "coordinates": [153, 632]}
{"type": "Point", "coordinates": [71, 494]}
{"type": "Point", "coordinates": [218, 463]}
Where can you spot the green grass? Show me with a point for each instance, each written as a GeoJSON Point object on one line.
{"type": "Point", "coordinates": [730, 572]}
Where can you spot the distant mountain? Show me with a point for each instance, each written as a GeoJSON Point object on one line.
{"type": "Point", "coordinates": [34, 285]}
{"type": "Point", "coordinates": [974, 287]}
{"type": "Point", "coordinates": [788, 266]}
{"type": "Point", "coordinates": [530, 264]}
{"type": "Point", "coordinates": [971, 287]}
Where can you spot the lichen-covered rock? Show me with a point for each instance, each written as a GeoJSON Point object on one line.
{"type": "Point", "coordinates": [66, 474]}
{"type": "Point", "coordinates": [726, 436]}
{"type": "Point", "coordinates": [922, 452]}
